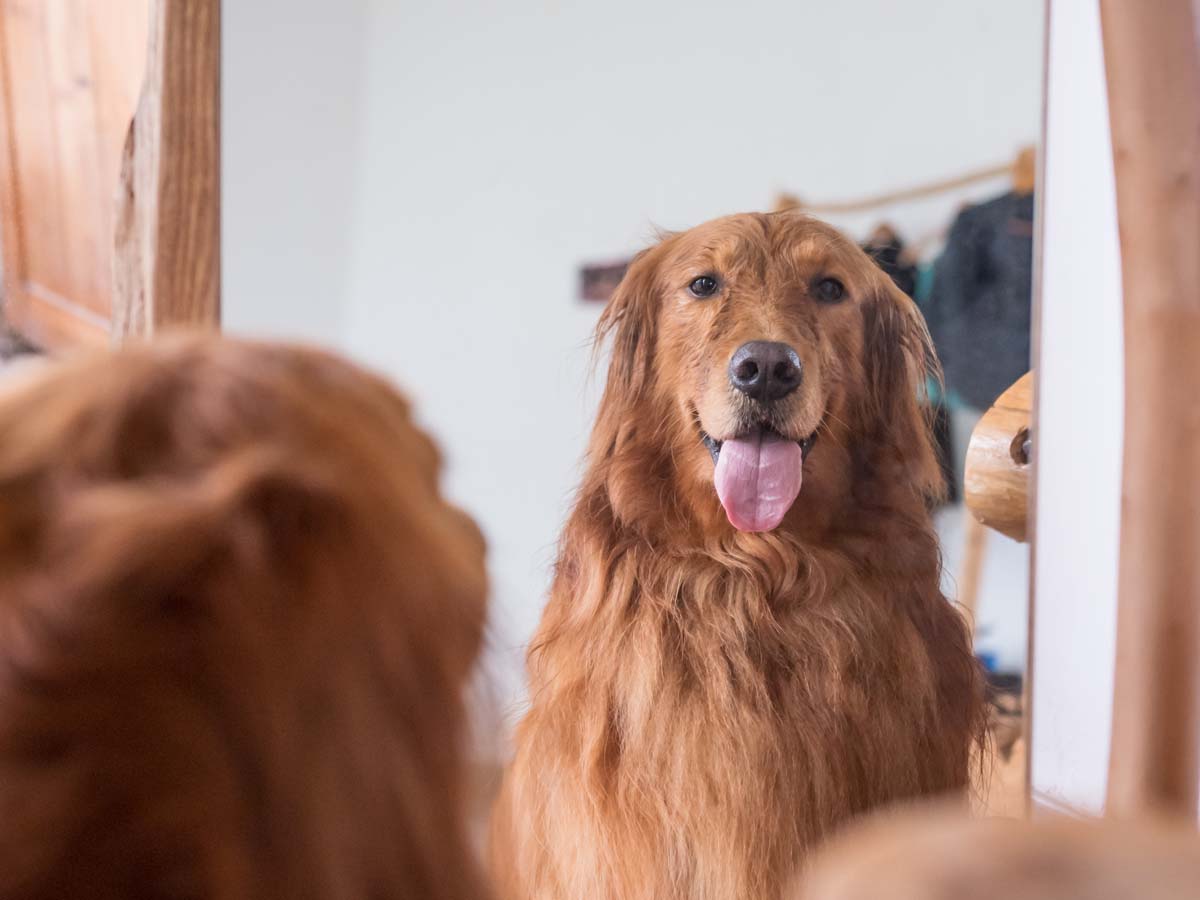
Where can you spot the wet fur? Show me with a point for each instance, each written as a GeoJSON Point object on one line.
{"type": "Point", "coordinates": [707, 705]}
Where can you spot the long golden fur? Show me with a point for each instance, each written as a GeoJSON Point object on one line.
{"type": "Point", "coordinates": [707, 704]}
{"type": "Point", "coordinates": [235, 619]}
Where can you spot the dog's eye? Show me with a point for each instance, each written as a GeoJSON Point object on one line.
{"type": "Point", "coordinates": [830, 290]}
{"type": "Point", "coordinates": [704, 286]}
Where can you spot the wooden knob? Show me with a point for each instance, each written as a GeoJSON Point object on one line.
{"type": "Point", "coordinates": [996, 486]}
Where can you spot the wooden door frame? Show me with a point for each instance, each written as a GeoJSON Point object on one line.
{"type": "Point", "coordinates": [167, 266]}
{"type": "Point", "coordinates": [1153, 62]}
{"type": "Point", "coordinates": [1035, 347]}
{"type": "Point", "coordinates": [37, 314]}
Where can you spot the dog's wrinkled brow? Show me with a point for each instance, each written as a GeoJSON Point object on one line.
{"type": "Point", "coordinates": [762, 247]}
{"type": "Point", "coordinates": [729, 247]}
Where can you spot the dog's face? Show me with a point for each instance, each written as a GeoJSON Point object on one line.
{"type": "Point", "coordinates": [758, 335]}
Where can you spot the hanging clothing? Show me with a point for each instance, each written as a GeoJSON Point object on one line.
{"type": "Point", "coordinates": [979, 309]}
{"type": "Point", "coordinates": [943, 441]}
{"type": "Point", "coordinates": [923, 294]}
{"type": "Point", "coordinates": [923, 285]}
{"type": "Point", "coordinates": [887, 249]}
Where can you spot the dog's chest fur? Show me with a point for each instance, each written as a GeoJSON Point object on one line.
{"type": "Point", "coordinates": [699, 723]}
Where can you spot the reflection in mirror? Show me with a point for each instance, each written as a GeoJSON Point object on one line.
{"type": "Point", "coordinates": [452, 194]}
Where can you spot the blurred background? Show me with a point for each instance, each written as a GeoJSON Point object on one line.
{"type": "Point", "coordinates": [420, 184]}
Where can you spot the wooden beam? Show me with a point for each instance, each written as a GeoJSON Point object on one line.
{"type": "Point", "coordinates": [1153, 65]}
{"type": "Point", "coordinates": [167, 271]}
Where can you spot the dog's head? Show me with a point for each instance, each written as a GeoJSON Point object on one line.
{"type": "Point", "coordinates": [766, 354]}
{"type": "Point", "coordinates": [236, 616]}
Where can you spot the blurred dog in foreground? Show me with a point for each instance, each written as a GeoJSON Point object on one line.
{"type": "Point", "coordinates": [935, 854]}
{"type": "Point", "coordinates": [235, 619]}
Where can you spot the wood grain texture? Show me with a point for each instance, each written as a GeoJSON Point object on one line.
{"type": "Point", "coordinates": [116, 40]}
{"type": "Point", "coordinates": [1153, 67]}
{"type": "Point", "coordinates": [70, 71]}
{"type": "Point", "coordinates": [30, 122]}
{"type": "Point", "coordinates": [970, 571]}
{"type": "Point", "coordinates": [75, 150]}
{"type": "Point", "coordinates": [167, 266]}
{"type": "Point", "coordinates": [11, 239]}
{"type": "Point", "coordinates": [996, 480]}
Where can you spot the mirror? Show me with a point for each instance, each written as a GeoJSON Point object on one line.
{"type": "Point", "coordinates": [448, 192]}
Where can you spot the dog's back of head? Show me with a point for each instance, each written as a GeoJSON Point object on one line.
{"type": "Point", "coordinates": [235, 618]}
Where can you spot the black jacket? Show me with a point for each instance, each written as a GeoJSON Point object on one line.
{"type": "Point", "coordinates": [980, 306]}
{"type": "Point", "coordinates": [889, 257]}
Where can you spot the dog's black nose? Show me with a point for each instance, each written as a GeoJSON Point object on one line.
{"type": "Point", "coordinates": [765, 370]}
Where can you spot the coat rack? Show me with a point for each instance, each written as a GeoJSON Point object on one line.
{"type": "Point", "coordinates": [1020, 170]}
{"type": "Point", "coordinates": [598, 281]}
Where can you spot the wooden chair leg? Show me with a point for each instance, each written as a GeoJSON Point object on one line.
{"type": "Point", "coordinates": [971, 570]}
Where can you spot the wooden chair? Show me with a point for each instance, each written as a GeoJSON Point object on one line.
{"type": "Point", "coordinates": [996, 483]}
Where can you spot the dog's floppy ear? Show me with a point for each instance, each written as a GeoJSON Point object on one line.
{"type": "Point", "coordinates": [630, 320]}
{"type": "Point", "coordinates": [900, 365]}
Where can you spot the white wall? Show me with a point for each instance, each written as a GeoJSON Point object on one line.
{"type": "Point", "coordinates": [1079, 436]}
{"type": "Point", "coordinates": [293, 98]}
{"type": "Point", "coordinates": [486, 149]}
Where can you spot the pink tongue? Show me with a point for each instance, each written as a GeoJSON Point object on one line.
{"type": "Point", "coordinates": [758, 479]}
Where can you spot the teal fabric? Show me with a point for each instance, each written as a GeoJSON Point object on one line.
{"type": "Point", "coordinates": [923, 289]}
{"type": "Point", "coordinates": [921, 293]}
{"type": "Point", "coordinates": [979, 311]}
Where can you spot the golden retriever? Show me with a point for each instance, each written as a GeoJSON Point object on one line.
{"type": "Point", "coordinates": [745, 644]}
{"type": "Point", "coordinates": [235, 620]}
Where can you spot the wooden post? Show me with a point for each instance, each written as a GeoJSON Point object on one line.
{"type": "Point", "coordinates": [167, 271]}
{"type": "Point", "coordinates": [1153, 64]}
{"type": "Point", "coordinates": [970, 573]}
